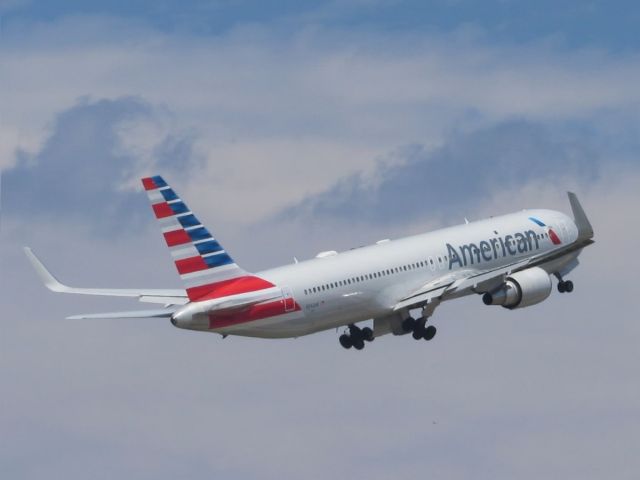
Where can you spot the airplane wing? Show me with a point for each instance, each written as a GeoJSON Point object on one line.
{"type": "Point", "coordinates": [457, 282]}
{"type": "Point", "coordinates": [167, 297]}
{"type": "Point", "coordinates": [479, 281]}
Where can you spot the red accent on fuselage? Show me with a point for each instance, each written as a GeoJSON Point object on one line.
{"type": "Point", "coordinates": [149, 184]}
{"type": "Point", "coordinates": [176, 237]}
{"type": "Point", "coordinates": [162, 210]}
{"type": "Point", "coordinates": [554, 238]}
{"type": "Point", "coordinates": [256, 312]}
{"type": "Point", "coordinates": [233, 286]}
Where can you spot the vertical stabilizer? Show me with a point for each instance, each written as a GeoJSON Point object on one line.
{"type": "Point", "coordinates": [585, 230]}
{"type": "Point", "coordinates": [203, 264]}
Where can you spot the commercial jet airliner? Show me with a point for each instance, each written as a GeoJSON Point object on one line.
{"type": "Point", "coordinates": [508, 260]}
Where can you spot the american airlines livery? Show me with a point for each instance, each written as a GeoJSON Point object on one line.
{"type": "Point", "coordinates": [508, 260]}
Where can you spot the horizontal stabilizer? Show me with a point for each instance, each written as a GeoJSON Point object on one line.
{"type": "Point", "coordinates": [165, 296]}
{"type": "Point", "coordinates": [133, 314]}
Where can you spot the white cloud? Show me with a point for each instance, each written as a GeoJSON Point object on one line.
{"type": "Point", "coordinates": [301, 109]}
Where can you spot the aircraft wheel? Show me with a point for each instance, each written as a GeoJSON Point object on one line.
{"type": "Point", "coordinates": [345, 341]}
{"type": "Point", "coordinates": [409, 324]}
{"type": "Point", "coordinates": [568, 286]}
{"type": "Point", "coordinates": [367, 334]}
{"type": "Point", "coordinates": [429, 332]}
{"type": "Point", "coordinates": [562, 287]}
{"type": "Point", "coordinates": [418, 332]}
{"type": "Point", "coordinates": [358, 343]}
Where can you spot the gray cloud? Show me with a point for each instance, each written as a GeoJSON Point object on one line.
{"type": "Point", "coordinates": [82, 171]}
{"type": "Point", "coordinates": [463, 171]}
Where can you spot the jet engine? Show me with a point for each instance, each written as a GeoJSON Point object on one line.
{"type": "Point", "coordinates": [521, 289]}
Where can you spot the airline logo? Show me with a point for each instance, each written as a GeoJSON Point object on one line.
{"type": "Point", "coordinates": [203, 264]}
{"type": "Point", "coordinates": [492, 248]}
{"type": "Point", "coordinates": [501, 246]}
{"type": "Point", "coordinates": [552, 235]}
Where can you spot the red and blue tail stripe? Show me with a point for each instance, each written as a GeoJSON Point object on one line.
{"type": "Point", "coordinates": [206, 268]}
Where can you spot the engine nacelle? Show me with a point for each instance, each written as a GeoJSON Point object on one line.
{"type": "Point", "coordinates": [521, 289]}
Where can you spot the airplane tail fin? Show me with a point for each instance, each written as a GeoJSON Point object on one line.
{"type": "Point", "coordinates": [585, 230]}
{"type": "Point", "coordinates": [203, 264]}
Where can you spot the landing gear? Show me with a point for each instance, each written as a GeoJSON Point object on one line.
{"type": "Point", "coordinates": [419, 330]}
{"type": "Point", "coordinates": [345, 341]}
{"type": "Point", "coordinates": [429, 332]}
{"type": "Point", "coordinates": [356, 337]}
{"type": "Point", "coordinates": [409, 324]}
{"type": "Point", "coordinates": [564, 286]}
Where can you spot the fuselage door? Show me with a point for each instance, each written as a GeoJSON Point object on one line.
{"type": "Point", "coordinates": [289, 302]}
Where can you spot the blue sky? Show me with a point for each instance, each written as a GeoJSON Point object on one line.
{"type": "Point", "coordinates": [576, 23]}
{"type": "Point", "coordinates": [292, 128]}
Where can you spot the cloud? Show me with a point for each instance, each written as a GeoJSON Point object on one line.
{"type": "Point", "coordinates": [452, 178]}
{"type": "Point", "coordinates": [320, 115]}
{"type": "Point", "coordinates": [306, 107]}
{"type": "Point", "coordinates": [81, 171]}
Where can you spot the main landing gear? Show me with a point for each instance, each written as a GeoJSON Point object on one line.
{"type": "Point", "coordinates": [419, 328]}
{"type": "Point", "coordinates": [356, 337]}
{"type": "Point", "coordinates": [564, 286]}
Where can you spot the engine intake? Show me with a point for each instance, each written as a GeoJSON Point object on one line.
{"type": "Point", "coordinates": [522, 289]}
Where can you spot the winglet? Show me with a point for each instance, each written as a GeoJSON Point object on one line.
{"type": "Point", "coordinates": [49, 280]}
{"type": "Point", "coordinates": [585, 230]}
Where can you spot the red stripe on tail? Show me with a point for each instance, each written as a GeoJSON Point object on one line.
{"type": "Point", "coordinates": [162, 210]}
{"type": "Point", "coordinates": [191, 264]}
{"type": "Point", "coordinates": [149, 184]}
{"type": "Point", "coordinates": [177, 237]}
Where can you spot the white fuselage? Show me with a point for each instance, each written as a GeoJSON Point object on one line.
{"type": "Point", "coordinates": [366, 282]}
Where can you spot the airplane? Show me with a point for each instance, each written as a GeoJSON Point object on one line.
{"type": "Point", "coordinates": [508, 260]}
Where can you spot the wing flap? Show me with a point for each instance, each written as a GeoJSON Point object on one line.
{"type": "Point", "coordinates": [420, 299]}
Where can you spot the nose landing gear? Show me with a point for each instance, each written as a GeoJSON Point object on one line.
{"type": "Point", "coordinates": [564, 286]}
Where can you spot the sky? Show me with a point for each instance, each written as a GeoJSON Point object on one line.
{"type": "Point", "coordinates": [292, 128]}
